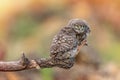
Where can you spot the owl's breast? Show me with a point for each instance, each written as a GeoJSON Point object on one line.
{"type": "Point", "coordinates": [63, 43]}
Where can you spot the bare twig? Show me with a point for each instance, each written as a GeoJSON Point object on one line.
{"type": "Point", "coordinates": [24, 63]}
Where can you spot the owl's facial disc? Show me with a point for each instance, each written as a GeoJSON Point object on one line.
{"type": "Point", "coordinates": [79, 28]}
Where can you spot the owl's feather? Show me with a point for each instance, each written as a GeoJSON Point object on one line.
{"type": "Point", "coordinates": [64, 41]}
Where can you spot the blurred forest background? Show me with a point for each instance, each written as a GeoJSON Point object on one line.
{"type": "Point", "coordinates": [29, 25]}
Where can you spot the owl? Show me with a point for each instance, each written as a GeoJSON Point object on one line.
{"type": "Point", "coordinates": [65, 44]}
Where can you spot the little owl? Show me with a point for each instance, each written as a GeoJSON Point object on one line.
{"type": "Point", "coordinates": [65, 44]}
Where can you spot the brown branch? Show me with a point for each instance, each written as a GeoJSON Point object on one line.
{"type": "Point", "coordinates": [25, 64]}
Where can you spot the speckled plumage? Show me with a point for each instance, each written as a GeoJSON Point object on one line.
{"type": "Point", "coordinates": [66, 42]}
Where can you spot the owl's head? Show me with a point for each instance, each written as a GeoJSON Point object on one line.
{"type": "Point", "coordinates": [79, 26]}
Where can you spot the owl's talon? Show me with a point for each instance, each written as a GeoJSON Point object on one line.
{"type": "Point", "coordinates": [86, 44]}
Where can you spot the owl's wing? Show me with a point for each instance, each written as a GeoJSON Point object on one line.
{"type": "Point", "coordinates": [62, 44]}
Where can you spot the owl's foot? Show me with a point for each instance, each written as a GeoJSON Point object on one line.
{"type": "Point", "coordinates": [86, 44]}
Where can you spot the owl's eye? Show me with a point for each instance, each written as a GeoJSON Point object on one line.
{"type": "Point", "coordinates": [82, 26]}
{"type": "Point", "coordinates": [76, 26]}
